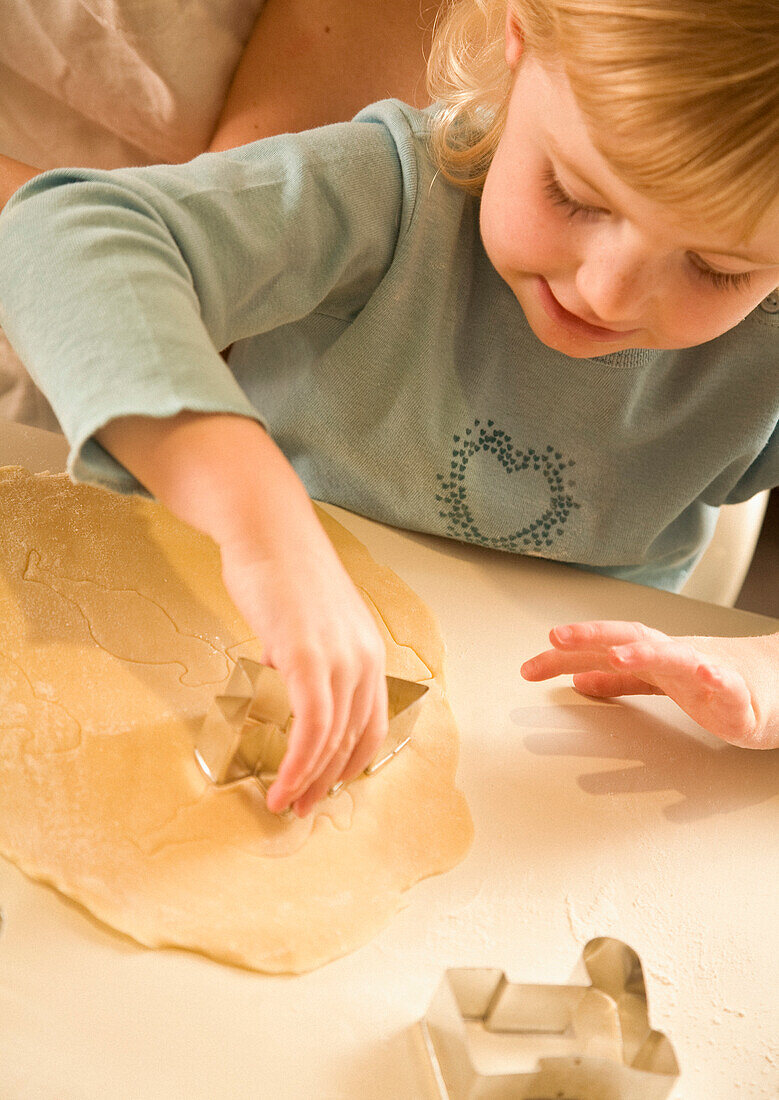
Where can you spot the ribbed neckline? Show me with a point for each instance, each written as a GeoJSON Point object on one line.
{"type": "Point", "coordinates": [630, 358]}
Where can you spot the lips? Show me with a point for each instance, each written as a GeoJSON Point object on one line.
{"type": "Point", "coordinates": [573, 323]}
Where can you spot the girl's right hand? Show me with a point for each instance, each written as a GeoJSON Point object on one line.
{"type": "Point", "coordinates": [224, 475]}
{"type": "Point", "coordinates": [318, 632]}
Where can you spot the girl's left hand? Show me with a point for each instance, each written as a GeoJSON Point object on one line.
{"type": "Point", "coordinates": [730, 686]}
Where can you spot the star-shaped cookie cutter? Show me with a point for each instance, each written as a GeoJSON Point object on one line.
{"type": "Point", "coordinates": [245, 731]}
{"type": "Point", "coordinates": [490, 1039]}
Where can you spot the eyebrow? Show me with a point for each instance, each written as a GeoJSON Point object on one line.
{"type": "Point", "coordinates": [761, 261]}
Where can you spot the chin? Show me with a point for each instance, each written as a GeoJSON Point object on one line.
{"type": "Point", "coordinates": [577, 348]}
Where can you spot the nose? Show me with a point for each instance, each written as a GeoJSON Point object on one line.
{"type": "Point", "coordinates": [616, 279]}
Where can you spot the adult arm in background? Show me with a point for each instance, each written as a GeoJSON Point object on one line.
{"type": "Point", "coordinates": [312, 62]}
{"type": "Point", "coordinates": [13, 173]}
{"type": "Point", "coordinates": [308, 63]}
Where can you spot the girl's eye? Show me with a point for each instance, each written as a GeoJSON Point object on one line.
{"type": "Point", "coordinates": [722, 280]}
{"type": "Point", "coordinates": [557, 194]}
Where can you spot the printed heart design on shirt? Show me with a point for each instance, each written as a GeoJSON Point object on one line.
{"type": "Point", "coordinates": [544, 530]}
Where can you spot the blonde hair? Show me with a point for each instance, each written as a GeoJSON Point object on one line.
{"type": "Point", "coordinates": [680, 96]}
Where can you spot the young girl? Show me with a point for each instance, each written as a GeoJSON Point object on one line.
{"type": "Point", "coordinates": [540, 318]}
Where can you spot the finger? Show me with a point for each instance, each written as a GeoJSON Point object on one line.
{"type": "Point", "coordinates": [320, 788]}
{"type": "Point", "coordinates": [584, 647]}
{"type": "Point", "coordinates": [608, 685]}
{"type": "Point", "coordinates": [374, 735]}
{"type": "Point", "coordinates": [651, 659]}
{"type": "Point", "coordinates": [312, 704]}
{"type": "Point", "coordinates": [341, 737]}
{"type": "Point", "coordinates": [360, 721]}
{"type": "Point", "coordinates": [556, 662]}
{"type": "Point", "coordinates": [601, 634]}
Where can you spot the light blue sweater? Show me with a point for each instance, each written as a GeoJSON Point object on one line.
{"type": "Point", "coordinates": [385, 355]}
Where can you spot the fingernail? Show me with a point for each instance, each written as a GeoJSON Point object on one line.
{"type": "Point", "coordinates": [563, 633]}
{"type": "Point", "coordinates": [277, 798]}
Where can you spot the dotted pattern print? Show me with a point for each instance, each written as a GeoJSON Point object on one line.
{"type": "Point", "coordinates": [545, 529]}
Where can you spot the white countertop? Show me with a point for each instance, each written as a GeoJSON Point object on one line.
{"type": "Point", "coordinates": [591, 819]}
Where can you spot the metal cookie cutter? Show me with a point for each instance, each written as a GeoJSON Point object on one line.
{"type": "Point", "coordinates": [244, 734]}
{"type": "Point", "coordinates": [489, 1039]}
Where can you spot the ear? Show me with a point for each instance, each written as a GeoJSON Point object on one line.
{"type": "Point", "coordinates": [514, 42]}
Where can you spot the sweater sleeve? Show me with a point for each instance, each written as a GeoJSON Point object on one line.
{"type": "Point", "coordinates": [119, 288]}
{"type": "Point", "coordinates": [761, 474]}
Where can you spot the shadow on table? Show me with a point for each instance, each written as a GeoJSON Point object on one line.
{"type": "Point", "coordinates": [399, 1066]}
{"type": "Point", "coordinates": [711, 776]}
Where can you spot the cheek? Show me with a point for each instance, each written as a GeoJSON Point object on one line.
{"type": "Point", "coordinates": [717, 311]}
{"type": "Point", "coordinates": [694, 316]}
{"type": "Point", "coordinates": [517, 231]}
{"type": "Point", "coordinates": [493, 220]}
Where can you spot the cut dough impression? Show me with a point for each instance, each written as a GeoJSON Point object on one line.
{"type": "Point", "coordinates": [116, 634]}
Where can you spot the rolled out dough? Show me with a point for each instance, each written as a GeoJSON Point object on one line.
{"type": "Point", "coordinates": [116, 634]}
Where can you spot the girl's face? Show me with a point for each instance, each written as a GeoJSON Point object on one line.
{"type": "Point", "coordinates": [596, 266]}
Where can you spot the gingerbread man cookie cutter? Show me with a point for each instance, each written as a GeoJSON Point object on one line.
{"type": "Point", "coordinates": [490, 1039]}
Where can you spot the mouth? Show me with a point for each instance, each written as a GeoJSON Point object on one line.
{"type": "Point", "coordinates": [575, 324]}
